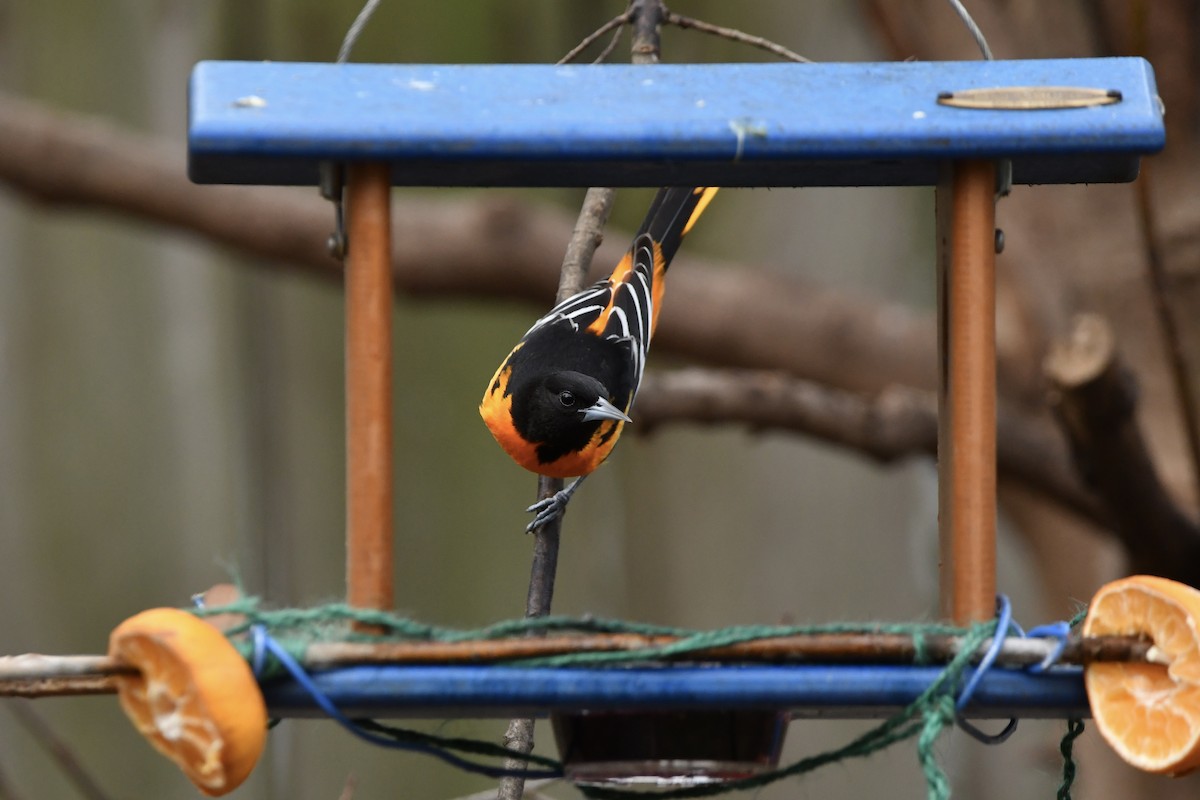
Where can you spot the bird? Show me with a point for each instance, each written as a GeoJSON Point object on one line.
{"type": "Point", "coordinates": [560, 399]}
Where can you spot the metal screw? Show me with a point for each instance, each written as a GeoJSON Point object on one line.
{"type": "Point", "coordinates": [336, 245]}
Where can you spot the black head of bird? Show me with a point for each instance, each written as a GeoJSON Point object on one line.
{"type": "Point", "coordinates": [562, 410]}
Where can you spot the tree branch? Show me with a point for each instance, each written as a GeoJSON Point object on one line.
{"type": "Point", "coordinates": [494, 248]}
{"type": "Point", "coordinates": [1159, 285]}
{"type": "Point", "coordinates": [734, 35]}
{"type": "Point", "coordinates": [616, 23]}
{"type": "Point", "coordinates": [58, 749]}
{"type": "Point", "coordinates": [585, 239]}
{"type": "Point", "coordinates": [490, 249]}
{"type": "Point", "coordinates": [587, 236]}
{"type": "Point", "coordinates": [1096, 401]}
{"type": "Point", "coordinates": [894, 423]}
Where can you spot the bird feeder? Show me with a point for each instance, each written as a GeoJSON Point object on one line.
{"type": "Point", "coordinates": [950, 125]}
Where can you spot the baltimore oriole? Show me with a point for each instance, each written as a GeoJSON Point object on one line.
{"type": "Point", "coordinates": [559, 400]}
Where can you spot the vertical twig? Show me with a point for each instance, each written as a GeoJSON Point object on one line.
{"type": "Point", "coordinates": [1176, 359]}
{"type": "Point", "coordinates": [7, 790]}
{"type": "Point", "coordinates": [58, 749]}
{"type": "Point", "coordinates": [588, 233]}
{"type": "Point", "coordinates": [349, 787]}
{"type": "Point", "coordinates": [646, 17]}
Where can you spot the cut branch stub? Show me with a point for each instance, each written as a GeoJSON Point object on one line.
{"type": "Point", "coordinates": [1093, 390]}
{"type": "Point", "coordinates": [1095, 398]}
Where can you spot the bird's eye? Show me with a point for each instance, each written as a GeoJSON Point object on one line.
{"type": "Point", "coordinates": [567, 398]}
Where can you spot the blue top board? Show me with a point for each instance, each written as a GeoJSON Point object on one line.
{"type": "Point", "coordinates": [871, 124]}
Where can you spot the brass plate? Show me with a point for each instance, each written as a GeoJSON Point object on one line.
{"type": "Point", "coordinates": [1030, 98]}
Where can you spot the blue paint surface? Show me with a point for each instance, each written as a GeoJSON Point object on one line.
{"type": "Point", "coordinates": [727, 124]}
{"type": "Point", "coordinates": [809, 690]}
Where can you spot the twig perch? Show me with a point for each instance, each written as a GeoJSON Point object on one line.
{"type": "Point", "coordinates": [588, 233]}
{"type": "Point", "coordinates": [645, 16]}
{"type": "Point", "coordinates": [20, 676]}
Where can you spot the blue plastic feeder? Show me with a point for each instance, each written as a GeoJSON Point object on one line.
{"type": "Point", "coordinates": [866, 124]}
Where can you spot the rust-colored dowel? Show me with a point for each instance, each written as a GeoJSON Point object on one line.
{"type": "Point", "coordinates": [967, 390]}
{"type": "Point", "coordinates": [368, 283]}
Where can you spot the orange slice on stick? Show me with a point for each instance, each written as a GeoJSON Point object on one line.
{"type": "Point", "coordinates": [1149, 712]}
{"type": "Point", "coordinates": [194, 697]}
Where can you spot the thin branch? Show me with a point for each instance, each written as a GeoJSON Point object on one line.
{"type": "Point", "coordinates": [7, 790]}
{"type": "Point", "coordinates": [588, 233]}
{"type": "Point", "coordinates": [59, 750]}
{"type": "Point", "coordinates": [585, 239]}
{"type": "Point", "coordinates": [1156, 277]}
{"type": "Point", "coordinates": [680, 21]}
{"type": "Point", "coordinates": [1096, 401]}
{"type": "Point", "coordinates": [529, 785]}
{"type": "Point", "coordinates": [603, 55]}
{"type": "Point", "coordinates": [616, 23]}
{"type": "Point", "coordinates": [58, 687]}
{"type": "Point", "coordinates": [349, 787]}
{"type": "Point", "coordinates": [587, 236]}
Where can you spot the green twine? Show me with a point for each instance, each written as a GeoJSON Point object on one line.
{"type": "Point", "coordinates": [1066, 747]}
{"type": "Point", "coordinates": [938, 716]}
{"type": "Point", "coordinates": [296, 629]}
{"type": "Point", "coordinates": [920, 648]}
{"type": "Point", "coordinates": [1074, 730]}
{"type": "Point", "coordinates": [925, 718]}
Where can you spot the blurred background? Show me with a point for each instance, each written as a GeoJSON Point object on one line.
{"type": "Point", "coordinates": [171, 410]}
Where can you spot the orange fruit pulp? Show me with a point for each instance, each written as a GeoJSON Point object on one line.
{"type": "Point", "coordinates": [194, 698]}
{"type": "Point", "coordinates": [1149, 712]}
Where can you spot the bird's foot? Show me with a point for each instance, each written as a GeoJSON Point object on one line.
{"type": "Point", "coordinates": [552, 507]}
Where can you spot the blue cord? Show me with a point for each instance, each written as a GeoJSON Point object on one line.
{"type": "Point", "coordinates": [258, 660]}
{"type": "Point", "coordinates": [1005, 621]}
{"type": "Point", "coordinates": [1006, 625]}
{"type": "Point", "coordinates": [1060, 630]}
{"type": "Point", "coordinates": [263, 644]}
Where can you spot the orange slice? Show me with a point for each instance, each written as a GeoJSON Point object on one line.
{"type": "Point", "coordinates": [1149, 712]}
{"type": "Point", "coordinates": [195, 698]}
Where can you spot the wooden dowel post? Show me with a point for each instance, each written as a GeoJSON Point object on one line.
{"type": "Point", "coordinates": [368, 285]}
{"type": "Point", "coordinates": [967, 390]}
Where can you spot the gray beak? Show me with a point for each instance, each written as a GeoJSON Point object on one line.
{"type": "Point", "coordinates": [602, 409]}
